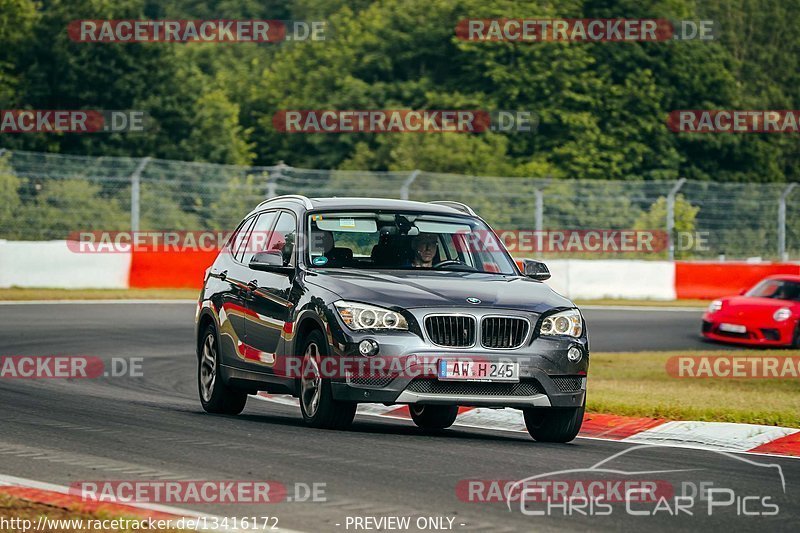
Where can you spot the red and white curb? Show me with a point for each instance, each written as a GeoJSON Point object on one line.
{"type": "Point", "coordinates": [60, 496]}
{"type": "Point", "coordinates": [718, 436]}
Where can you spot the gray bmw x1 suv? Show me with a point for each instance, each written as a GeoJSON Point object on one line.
{"type": "Point", "coordinates": [340, 301]}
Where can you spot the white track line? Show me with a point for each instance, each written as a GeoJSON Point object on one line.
{"type": "Point", "coordinates": [292, 402]}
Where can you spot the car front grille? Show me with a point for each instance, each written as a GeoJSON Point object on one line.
{"type": "Point", "coordinates": [568, 383]}
{"type": "Point", "coordinates": [456, 331]}
{"type": "Point", "coordinates": [503, 332]}
{"type": "Point", "coordinates": [473, 388]}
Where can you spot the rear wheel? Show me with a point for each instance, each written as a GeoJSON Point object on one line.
{"type": "Point", "coordinates": [319, 408]}
{"type": "Point", "coordinates": [433, 417]}
{"type": "Point", "coordinates": [796, 341]}
{"type": "Point", "coordinates": [215, 396]}
{"type": "Point", "coordinates": [554, 425]}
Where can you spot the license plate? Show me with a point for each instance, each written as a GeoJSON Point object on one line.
{"type": "Point", "coordinates": [451, 370]}
{"type": "Point", "coordinates": [733, 328]}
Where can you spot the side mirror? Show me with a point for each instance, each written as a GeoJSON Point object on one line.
{"type": "Point", "coordinates": [269, 261]}
{"type": "Point", "coordinates": [535, 269]}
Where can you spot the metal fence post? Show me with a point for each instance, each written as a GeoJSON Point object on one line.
{"type": "Point", "coordinates": [272, 184]}
{"type": "Point", "coordinates": [671, 217]}
{"type": "Point", "coordinates": [136, 193]}
{"type": "Point", "coordinates": [782, 255]}
{"type": "Point", "coordinates": [539, 222]}
{"type": "Point", "coordinates": [407, 184]}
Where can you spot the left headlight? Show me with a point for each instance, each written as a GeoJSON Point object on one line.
{"type": "Point", "coordinates": [564, 323]}
{"type": "Point", "coordinates": [362, 316]}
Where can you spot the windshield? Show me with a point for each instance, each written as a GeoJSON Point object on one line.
{"type": "Point", "coordinates": [777, 288]}
{"type": "Point", "coordinates": [404, 240]}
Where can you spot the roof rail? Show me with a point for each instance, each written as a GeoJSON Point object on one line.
{"type": "Point", "coordinates": [458, 206]}
{"type": "Point", "coordinates": [297, 197]}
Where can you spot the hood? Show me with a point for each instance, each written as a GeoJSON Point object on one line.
{"type": "Point", "coordinates": [412, 289]}
{"type": "Point", "coordinates": [754, 307]}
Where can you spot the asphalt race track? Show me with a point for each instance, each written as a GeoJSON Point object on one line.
{"type": "Point", "coordinates": [152, 427]}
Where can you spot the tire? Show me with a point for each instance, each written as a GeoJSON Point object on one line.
{"type": "Point", "coordinates": [215, 396]}
{"type": "Point", "coordinates": [433, 417]}
{"type": "Point", "coordinates": [554, 425]}
{"type": "Point", "coordinates": [796, 341]}
{"type": "Point", "coordinates": [319, 408]}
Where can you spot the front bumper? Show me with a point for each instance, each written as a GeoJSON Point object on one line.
{"type": "Point", "coordinates": [407, 391]}
{"type": "Point", "coordinates": [768, 334]}
{"type": "Point", "coordinates": [547, 377]}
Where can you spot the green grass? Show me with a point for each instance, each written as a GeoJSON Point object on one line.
{"type": "Point", "coordinates": [98, 294]}
{"type": "Point", "coordinates": [12, 507]}
{"type": "Point", "coordinates": [637, 384]}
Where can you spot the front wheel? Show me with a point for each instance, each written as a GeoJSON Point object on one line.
{"type": "Point", "coordinates": [433, 417]}
{"type": "Point", "coordinates": [215, 396]}
{"type": "Point", "coordinates": [554, 425]}
{"type": "Point", "coordinates": [319, 408]}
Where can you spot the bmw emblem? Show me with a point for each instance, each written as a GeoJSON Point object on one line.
{"type": "Point", "coordinates": [472, 300]}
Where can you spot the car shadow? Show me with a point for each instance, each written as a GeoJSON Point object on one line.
{"type": "Point", "coordinates": [369, 425]}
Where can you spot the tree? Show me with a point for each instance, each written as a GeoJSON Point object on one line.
{"type": "Point", "coordinates": [9, 197]}
{"type": "Point", "coordinates": [64, 206]}
{"type": "Point", "coordinates": [17, 19]}
{"type": "Point", "coordinates": [655, 219]}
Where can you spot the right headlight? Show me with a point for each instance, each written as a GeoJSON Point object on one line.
{"type": "Point", "coordinates": [715, 306]}
{"type": "Point", "coordinates": [363, 316]}
{"type": "Point", "coordinates": [567, 322]}
{"type": "Point", "coordinates": [784, 313]}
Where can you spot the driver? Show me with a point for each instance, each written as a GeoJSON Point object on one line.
{"type": "Point", "coordinates": [424, 248]}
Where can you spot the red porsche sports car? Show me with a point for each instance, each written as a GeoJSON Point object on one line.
{"type": "Point", "coordinates": [766, 315]}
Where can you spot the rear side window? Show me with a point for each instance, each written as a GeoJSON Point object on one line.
{"type": "Point", "coordinates": [258, 236]}
{"type": "Point", "coordinates": [236, 243]}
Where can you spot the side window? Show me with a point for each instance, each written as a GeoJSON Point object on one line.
{"type": "Point", "coordinates": [283, 237]}
{"type": "Point", "coordinates": [258, 236]}
{"type": "Point", "coordinates": [235, 244]}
